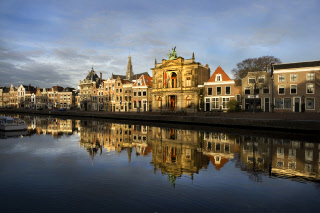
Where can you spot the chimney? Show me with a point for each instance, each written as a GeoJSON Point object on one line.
{"type": "Point", "coordinates": [100, 77]}
{"type": "Point", "coordinates": [136, 76]}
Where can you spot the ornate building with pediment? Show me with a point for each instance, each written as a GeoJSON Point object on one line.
{"type": "Point", "coordinates": [176, 83]}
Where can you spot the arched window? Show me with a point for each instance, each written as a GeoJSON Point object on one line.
{"type": "Point", "coordinates": [174, 80]}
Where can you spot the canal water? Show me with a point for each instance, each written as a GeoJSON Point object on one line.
{"type": "Point", "coordinates": [65, 165]}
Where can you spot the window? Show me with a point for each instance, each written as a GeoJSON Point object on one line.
{"type": "Point", "coordinates": [293, 89]}
{"type": "Point", "coordinates": [139, 93]}
{"type": "Point", "coordinates": [293, 77]}
{"type": "Point", "coordinates": [125, 91]}
{"type": "Point", "coordinates": [210, 91]}
{"type": "Point", "coordinates": [120, 90]}
{"type": "Point", "coordinates": [310, 88]}
{"type": "Point", "coordinates": [247, 91]}
{"type": "Point", "coordinates": [159, 84]}
{"type": "Point", "coordinates": [310, 76]}
{"type": "Point", "coordinates": [256, 91]}
{"type": "Point", "coordinates": [287, 103]}
{"type": "Point", "coordinates": [265, 90]}
{"type": "Point", "coordinates": [144, 93]}
{"type": "Point", "coordinates": [117, 90]}
{"type": "Point", "coordinates": [215, 103]}
{"type": "Point", "coordinates": [281, 78]}
{"type": "Point", "coordinates": [218, 77]}
{"type": "Point", "coordinates": [134, 93]}
{"type": "Point", "coordinates": [277, 103]}
{"type": "Point", "coordinates": [281, 89]}
{"type": "Point", "coordinates": [118, 84]}
{"type": "Point", "coordinates": [228, 91]}
{"type": "Point", "coordinates": [134, 104]}
{"type": "Point", "coordinates": [188, 82]}
{"type": "Point", "coordinates": [252, 80]}
{"type": "Point", "coordinates": [309, 103]}
{"type": "Point", "coordinates": [224, 103]}
{"type": "Point", "coordinates": [261, 79]}
{"type": "Point", "coordinates": [218, 90]}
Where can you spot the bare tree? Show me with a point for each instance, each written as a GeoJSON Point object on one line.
{"type": "Point", "coordinates": [253, 65]}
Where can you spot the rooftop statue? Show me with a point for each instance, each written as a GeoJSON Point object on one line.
{"type": "Point", "coordinates": [173, 54]}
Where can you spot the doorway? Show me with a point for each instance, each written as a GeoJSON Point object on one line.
{"type": "Point", "coordinates": [172, 101]}
{"type": "Point", "coordinates": [296, 104]}
{"type": "Point", "coordinates": [266, 104]}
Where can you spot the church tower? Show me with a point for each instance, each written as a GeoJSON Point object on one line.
{"type": "Point", "coordinates": [129, 72]}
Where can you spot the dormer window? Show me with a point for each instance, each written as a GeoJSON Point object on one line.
{"type": "Point", "coordinates": [218, 77]}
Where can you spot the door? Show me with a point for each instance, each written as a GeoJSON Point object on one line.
{"type": "Point", "coordinates": [296, 104]}
{"type": "Point", "coordinates": [144, 106]}
{"type": "Point", "coordinates": [266, 104]}
{"type": "Point", "coordinates": [172, 103]}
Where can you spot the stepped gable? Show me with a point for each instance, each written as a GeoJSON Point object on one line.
{"type": "Point", "coordinates": [220, 71]}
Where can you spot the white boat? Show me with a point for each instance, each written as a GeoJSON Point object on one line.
{"type": "Point", "coordinates": [12, 124]}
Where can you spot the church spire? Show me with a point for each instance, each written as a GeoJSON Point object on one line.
{"type": "Point", "coordinates": [129, 72]}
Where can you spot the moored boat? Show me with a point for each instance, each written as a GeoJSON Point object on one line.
{"type": "Point", "coordinates": [12, 124]}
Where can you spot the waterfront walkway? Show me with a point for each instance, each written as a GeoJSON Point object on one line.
{"type": "Point", "coordinates": [268, 121]}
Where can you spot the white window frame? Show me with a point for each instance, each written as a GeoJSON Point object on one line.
{"type": "Point", "coordinates": [313, 103]}
{"type": "Point", "coordinates": [226, 90]}
{"type": "Point", "coordinates": [211, 90]}
{"type": "Point", "coordinates": [307, 88]}
{"type": "Point", "coordinates": [261, 77]}
{"type": "Point", "coordinates": [213, 103]}
{"type": "Point", "coordinates": [310, 74]}
{"type": "Point", "coordinates": [224, 102]}
{"type": "Point", "coordinates": [218, 77]}
{"type": "Point", "coordinates": [284, 78]}
{"type": "Point", "coordinates": [284, 89]}
{"type": "Point", "coordinates": [296, 88]}
{"type": "Point", "coordinates": [291, 75]}
{"type": "Point", "coordinates": [250, 79]}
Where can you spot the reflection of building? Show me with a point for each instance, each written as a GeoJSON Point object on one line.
{"type": "Point", "coordinates": [277, 157]}
{"type": "Point", "coordinates": [175, 152]}
{"type": "Point", "coordinates": [297, 160]}
{"type": "Point", "coordinates": [220, 148]}
{"type": "Point", "coordinates": [175, 84]}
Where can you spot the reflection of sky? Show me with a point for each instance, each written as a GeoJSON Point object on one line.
{"type": "Point", "coordinates": [47, 43]}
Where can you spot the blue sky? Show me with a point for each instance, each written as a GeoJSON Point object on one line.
{"type": "Point", "coordinates": [48, 43]}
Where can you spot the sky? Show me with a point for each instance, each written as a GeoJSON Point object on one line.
{"type": "Point", "coordinates": [46, 43]}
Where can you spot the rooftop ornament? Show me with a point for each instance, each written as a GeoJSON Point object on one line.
{"type": "Point", "coordinates": [173, 54]}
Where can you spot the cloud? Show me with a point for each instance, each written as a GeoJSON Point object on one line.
{"type": "Point", "coordinates": [63, 40]}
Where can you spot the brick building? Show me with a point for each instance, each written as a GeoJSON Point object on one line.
{"type": "Point", "coordinates": [297, 86]}
{"type": "Point", "coordinates": [219, 90]}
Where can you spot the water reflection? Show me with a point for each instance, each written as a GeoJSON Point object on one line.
{"type": "Point", "coordinates": [182, 152]}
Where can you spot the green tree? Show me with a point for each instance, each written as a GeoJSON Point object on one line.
{"type": "Point", "coordinates": [233, 106]}
{"type": "Point", "coordinates": [253, 65]}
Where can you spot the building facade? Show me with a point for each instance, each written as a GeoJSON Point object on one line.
{"type": "Point", "coordinates": [142, 100]}
{"type": "Point", "coordinates": [175, 84]}
{"type": "Point", "coordinates": [297, 87]}
{"type": "Point", "coordinates": [219, 90]}
{"type": "Point", "coordinates": [257, 91]}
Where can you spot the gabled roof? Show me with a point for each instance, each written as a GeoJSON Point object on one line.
{"type": "Point", "coordinates": [146, 81]}
{"type": "Point", "coordinates": [137, 76]}
{"type": "Point", "coordinates": [220, 71]}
